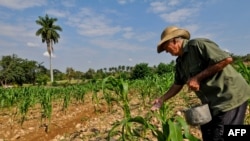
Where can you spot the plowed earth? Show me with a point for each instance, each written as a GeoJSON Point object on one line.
{"type": "Point", "coordinates": [80, 122]}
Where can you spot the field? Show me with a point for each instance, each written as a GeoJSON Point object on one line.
{"type": "Point", "coordinates": [109, 109]}
{"type": "Point", "coordinates": [80, 122]}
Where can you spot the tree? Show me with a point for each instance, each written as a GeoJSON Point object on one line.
{"type": "Point", "coordinates": [8, 67]}
{"type": "Point", "coordinates": [14, 70]}
{"type": "Point", "coordinates": [79, 75]}
{"type": "Point", "coordinates": [163, 68]}
{"type": "Point", "coordinates": [70, 73]}
{"type": "Point", "coordinates": [90, 74]}
{"type": "Point", "coordinates": [29, 71]}
{"type": "Point", "coordinates": [48, 33]}
{"type": "Point", "coordinates": [58, 75]}
{"type": "Point", "coordinates": [141, 71]}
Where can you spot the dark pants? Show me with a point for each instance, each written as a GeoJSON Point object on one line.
{"type": "Point", "coordinates": [213, 131]}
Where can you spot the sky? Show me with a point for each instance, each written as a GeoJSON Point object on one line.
{"type": "Point", "coordinates": [100, 34]}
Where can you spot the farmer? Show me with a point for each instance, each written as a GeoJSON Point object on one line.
{"type": "Point", "coordinates": [206, 70]}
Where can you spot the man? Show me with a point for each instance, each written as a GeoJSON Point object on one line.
{"type": "Point", "coordinates": [206, 69]}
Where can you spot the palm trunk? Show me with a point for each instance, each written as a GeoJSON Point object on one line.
{"type": "Point", "coordinates": [50, 59]}
{"type": "Point", "coordinates": [51, 69]}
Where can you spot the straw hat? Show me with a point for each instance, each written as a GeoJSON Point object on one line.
{"type": "Point", "coordinates": [169, 33]}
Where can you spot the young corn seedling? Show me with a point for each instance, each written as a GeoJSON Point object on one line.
{"type": "Point", "coordinates": [94, 86]}
{"type": "Point", "coordinates": [172, 128]}
{"type": "Point", "coordinates": [46, 104]}
{"type": "Point", "coordinates": [245, 72]}
{"type": "Point", "coordinates": [110, 90]}
{"type": "Point", "coordinates": [121, 89]}
{"type": "Point", "coordinates": [27, 102]}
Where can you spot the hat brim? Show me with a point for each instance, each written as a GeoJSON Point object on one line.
{"type": "Point", "coordinates": [177, 33]}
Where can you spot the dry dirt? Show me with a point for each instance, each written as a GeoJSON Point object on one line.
{"type": "Point", "coordinates": [80, 122]}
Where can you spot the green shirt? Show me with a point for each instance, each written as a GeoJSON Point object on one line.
{"type": "Point", "coordinates": [223, 91]}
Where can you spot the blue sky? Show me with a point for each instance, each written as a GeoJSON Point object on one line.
{"type": "Point", "coordinates": [107, 33]}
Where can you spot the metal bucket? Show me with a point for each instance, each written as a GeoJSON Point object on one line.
{"type": "Point", "coordinates": [198, 115]}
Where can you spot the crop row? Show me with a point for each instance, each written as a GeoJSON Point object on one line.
{"type": "Point", "coordinates": [114, 91]}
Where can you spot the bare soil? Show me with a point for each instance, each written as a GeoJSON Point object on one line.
{"type": "Point", "coordinates": [79, 122]}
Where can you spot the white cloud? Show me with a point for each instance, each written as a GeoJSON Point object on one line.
{"type": "Point", "coordinates": [29, 44]}
{"type": "Point", "coordinates": [178, 15]}
{"type": "Point", "coordinates": [121, 1]}
{"type": "Point", "coordinates": [128, 32]}
{"type": "Point", "coordinates": [116, 44]}
{"type": "Point", "coordinates": [128, 35]}
{"type": "Point", "coordinates": [192, 28]}
{"type": "Point", "coordinates": [158, 7]}
{"type": "Point", "coordinates": [163, 6]}
{"type": "Point", "coordinates": [124, 1]}
{"type": "Point", "coordinates": [68, 3]}
{"type": "Point", "coordinates": [11, 30]}
{"type": "Point", "coordinates": [47, 54]}
{"type": "Point", "coordinates": [173, 2]}
{"type": "Point", "coordinates": [19, 33]}
{"type": "Point", "coordinates": [57, 13]}
{"type": "Point", "coordinates": [21, 4]}
{"type": "Point", "coordinates": [145, 36]}
{"type": "Point", "coordinates": [93, 24]}
{"type": "Point", "coordinates": [171, 12]}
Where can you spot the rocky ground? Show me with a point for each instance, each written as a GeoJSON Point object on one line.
{"type": "Point", "coordinates": [79, 123]}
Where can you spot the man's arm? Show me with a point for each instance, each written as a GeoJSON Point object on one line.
{"type": "Point", "coordinates": [174, 89]}
{"type": "Point", "coordinates": [194, 82]}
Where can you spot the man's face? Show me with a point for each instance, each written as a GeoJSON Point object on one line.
{"type": "Point", "coordinates": [172, 47]}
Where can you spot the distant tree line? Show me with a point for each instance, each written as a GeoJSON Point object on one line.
{"type": "Point", "coordinates": [18, 71]}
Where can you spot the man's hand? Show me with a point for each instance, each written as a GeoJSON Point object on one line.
{"type": "Point", "coordinates": [193, 84]}
{"type": "Point", "coordinates": [157, 104]}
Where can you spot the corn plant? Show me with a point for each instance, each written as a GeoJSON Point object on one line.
{"type": "Point", "coordinates": [163, 82]}
{"type": "Point", "coordinates": [9, 97]}
{"type": "Point", "coordinates": [121, 89]}
{"type": "Point", "coordinates": [144, 87]}
{"type": "Point", "coordinates": [94, 86]}
{"type": "Point", "coordinates": [27, 102]}
{"type": "Point", "coordinates": [244, 70]}
{"type": "Point", "coordinates": [46, 105]}
{"type": "Point", "coordinates": [66, 99]}
{"type": "Point", "coordinates": [130, 129]}
{"type": "Point", "coordinates": [152, 86]}
{"type": "Point", "coordinates": [79, 93]}
{"type": "Point", "coordinates": [172, 128]}
{"type": "Point", "coordinates": [109, 89]}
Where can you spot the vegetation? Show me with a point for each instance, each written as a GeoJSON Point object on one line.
{"type": "Point", "coordinates": [20, 71]}
{"type": "Point", "coordinates": [16, 71]}
{"type": "Point", "coordinates": [48, 33]}
{"type": "Point", "coordinates": [116, 88]}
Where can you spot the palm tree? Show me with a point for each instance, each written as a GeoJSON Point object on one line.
{"type": "Point", "coordinates": [48, 32]}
